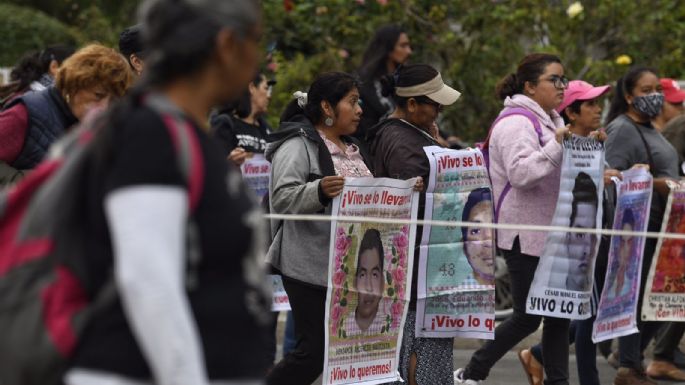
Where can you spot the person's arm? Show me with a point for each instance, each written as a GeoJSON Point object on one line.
{"type": "Point", "coordinates": [147, 224]}
{"type": "Point", "coordinates": [526, 163]}
{"type": "Point", "coordinates": [292, 192]}
{"type": "Point", "coordinates": [622, 146]}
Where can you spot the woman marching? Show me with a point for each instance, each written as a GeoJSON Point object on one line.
{"type": "Point", "coordinates": [397, 147]}
{"type": "Point", "coordinates": [309, 165]}
{"type": "Point", "coordinates": [582, 112]}
{"type": "Point", "coordinates": [241, 127]}
{"type": "Point", "coordinates": [525, 159]}
{"type": "Point", "coordinates": [185, 312]}
{"type": "Point", "coordinates": [389, 48]}
{"type": "Point", "coordinates": [632, 139]}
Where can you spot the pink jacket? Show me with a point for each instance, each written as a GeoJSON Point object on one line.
{"type": "Point", "coordinates": [533, 171]}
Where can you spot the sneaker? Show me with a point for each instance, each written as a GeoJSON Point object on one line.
{"type": "Point", "coordinates": [630, 376]}
{"type": "Point", "coordinates": [459, 379]}
{"type": "Point", "coordinates": [532, 367]}
{"type": "Point", "coordinates": [664, 370]}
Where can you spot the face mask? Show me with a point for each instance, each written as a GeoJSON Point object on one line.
{"type": "Point", "coordinates": [649, 105]}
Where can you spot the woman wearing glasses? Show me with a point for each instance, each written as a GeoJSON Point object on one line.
{"type": "Point", "coordinates": [396, 146]}
{"type": "Point", "coordinates": [525, 168]}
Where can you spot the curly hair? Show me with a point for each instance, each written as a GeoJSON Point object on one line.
{"type": "Point", "coordinates": [91, 66]}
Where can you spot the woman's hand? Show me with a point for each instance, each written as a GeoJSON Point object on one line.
{"type": "Point", "coordinates": [561, 133]}
{"type": "Point", "coordinates": [599, 135]}
{"type": "Point", "coordinates": [640, 165]}
{"type": "Point", "coordinates": [238, 156]}
{"type": "Point", "coordinates": [418, 186]}
{"type": "Point", "coordinates": [611, 173]}
{"type": "Point", "coordinates": [332, 185]}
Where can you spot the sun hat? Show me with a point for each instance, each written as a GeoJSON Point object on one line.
{"type": "Point", "coordinates": [580, 90]}
{"type": "Point", "coordinates": [672, 91]}
{"type": "Point", "coordinates": [435, 89]}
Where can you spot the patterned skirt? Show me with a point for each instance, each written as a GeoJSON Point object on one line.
{"type": "Point", "coordinates": [434, 361]}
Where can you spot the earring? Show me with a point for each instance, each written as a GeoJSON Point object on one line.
{"type": "Point", "coordinates": [66, 98]}
{"type": "Point", "coordinates": [328, 122]}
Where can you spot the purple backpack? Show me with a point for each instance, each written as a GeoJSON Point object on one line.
{"type": "Point", "coordinates": [485, 146]}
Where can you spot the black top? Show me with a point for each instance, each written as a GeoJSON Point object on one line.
{"type": "Point", "coordinates": [397, 152]}
{"type": "Point", "coordinates": [233, 132]}
{"type": "Point", "coordinates": [231, 333]}
{"type": "Point", "coordinates": [375, 107]}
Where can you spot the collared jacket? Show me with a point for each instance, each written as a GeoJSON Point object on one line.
{"type": "Point", "coordinates": [300, 159]}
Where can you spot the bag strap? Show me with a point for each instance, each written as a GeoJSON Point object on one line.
{"type": "Point", "coordinates": [647, 148]}
{"type": "Point", "coordinates": [186, 144]}
{"type": "Point", "coordinates": [486, 144]}
{"type": "Point", "coordinates": [511, 112]}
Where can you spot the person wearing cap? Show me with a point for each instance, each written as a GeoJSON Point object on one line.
{"type": "Point", "coordinates": [240, 126]}
{"type": "Point", "coordinates": [582, 112]}
{"type": "Point", "coordinates": [525, 170]}
{"type": "Point", "coordinates": [673, 103]}
{"type": "Point", "coordinates": [131, 47]}
{"type": "Point", "coordinates": [396, 145]}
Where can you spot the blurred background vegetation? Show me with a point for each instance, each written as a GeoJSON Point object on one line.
{"type": "Point", "coordinates": [473, 42]}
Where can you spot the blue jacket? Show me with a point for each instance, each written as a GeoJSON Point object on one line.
{"type": "Point", "coordinates": [49, 117]}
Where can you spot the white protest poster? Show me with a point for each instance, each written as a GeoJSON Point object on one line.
{"type": "Point", "coordinates": [256, 172]}
{"type": "Point", "coordinates": [370, 269]}
{"type": "Point", "coordinates": [618, 303]}
{"type": "Point", "coordinates": [279, 298]}
{"type": "Point", "coordinates": [456, 277]}
{"type": "Point", "coordinates": [665, 288]}
{"type": "Point", "coordinates": [562, 286]}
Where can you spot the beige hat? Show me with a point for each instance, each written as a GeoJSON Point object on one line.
{"type": "Point", "coordinates": [435, 89]}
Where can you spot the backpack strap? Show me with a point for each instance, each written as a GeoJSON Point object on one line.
{"type": "Point", "coordinates": [486, 144]}
{"type": "Point", "coordinates": [186, 144]}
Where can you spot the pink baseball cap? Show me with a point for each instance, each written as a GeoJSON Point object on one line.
{"type": "Point", "coordinates": [580, 90]}
{"type": "Point", "coordinates": [672, 91]}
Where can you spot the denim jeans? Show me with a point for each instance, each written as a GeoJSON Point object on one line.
{"type": "Point", "coordinates": [520, 325]}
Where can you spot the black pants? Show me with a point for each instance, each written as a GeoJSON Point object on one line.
{"type": "Point", "coordinates": [667, 340]}
{"type": "Point", "coordinates": [304, 364]}
{"type": "Point", "coordinates": [520, 325]}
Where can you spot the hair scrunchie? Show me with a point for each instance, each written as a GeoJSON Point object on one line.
{"type": "Point", "coordinates": [301, 98]}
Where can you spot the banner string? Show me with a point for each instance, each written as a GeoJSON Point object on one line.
{"type": "Point", "coordinates": [494, 226]}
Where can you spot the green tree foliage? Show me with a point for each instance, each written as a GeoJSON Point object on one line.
{"type": "Point", "coordinates": [475, 43]}
{"type": "Point", "coordinates": [24, 29]}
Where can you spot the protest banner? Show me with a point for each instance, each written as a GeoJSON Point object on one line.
{"type": "Point", "coordinates": [618, 303]}
{"type": "Point", "coordinates": [279, 298]}
{"type": "Point", "coordinates": [256, 172]}
{"type": "Point", "coordinates": [456, 281]}
{"type": "Point", "coordinates": [665, 291]}
{"type": "Point", "coordinates": [562, 286]}
{"type": "Point", "coordinates": [370, 269]}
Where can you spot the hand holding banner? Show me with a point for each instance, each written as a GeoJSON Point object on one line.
{"type": "Point", "coordinates": [370, 268]}
{"type": "Point", "coordinates": [563, 279]}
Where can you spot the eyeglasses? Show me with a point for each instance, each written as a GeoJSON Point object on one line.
{"type": "Point", "coordinates": [560, 82]}
{"type": "Point", "coordinates": [430, 102]}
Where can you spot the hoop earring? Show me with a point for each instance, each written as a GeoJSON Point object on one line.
{"type": "Point", "coordinates": [328, 121]}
